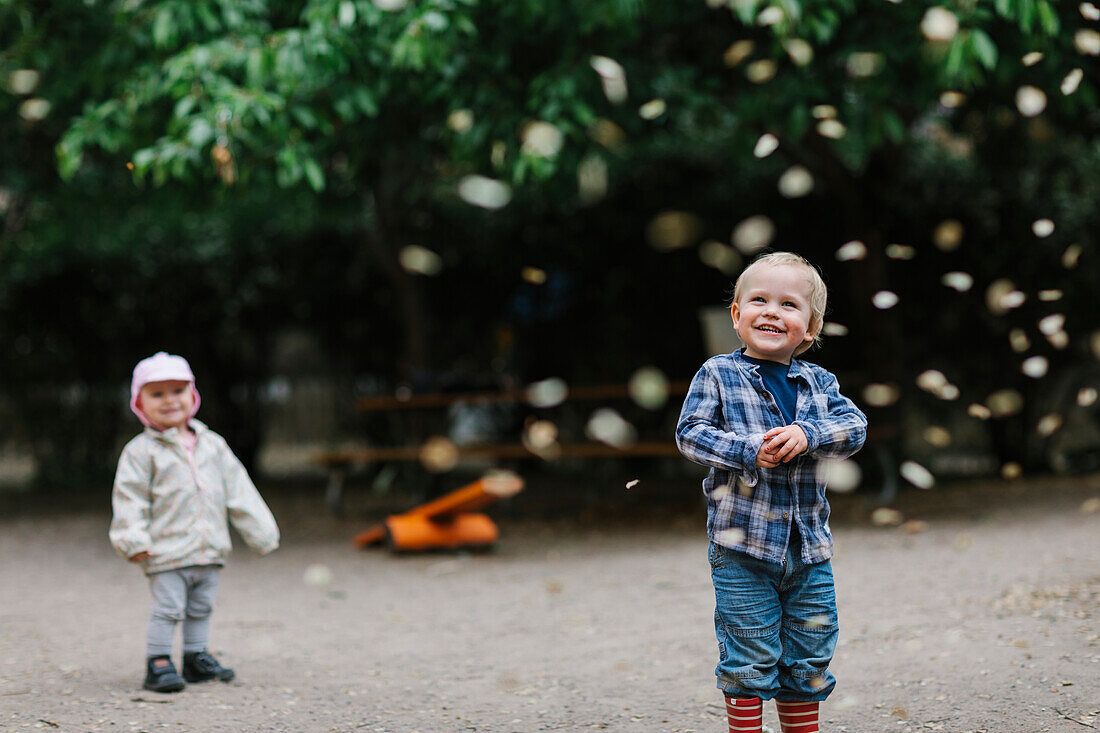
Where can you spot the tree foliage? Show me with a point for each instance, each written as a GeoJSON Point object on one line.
{"type": "Point", "coordinates": [254, 144]}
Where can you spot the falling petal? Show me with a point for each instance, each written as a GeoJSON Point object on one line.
{"type": "Point", "coordinates": [540, 435]}
{"type": "Point", "coordinates": [766, 145]}
{"type": "Point", "coordinates": [390, 5]}
{"type": "Point", "coordinates": [1035, 366]}
{"type": "Point", "coordinates": [729, 537]}
{"type": "Point", "coordinates": [439, 454]}
{"type": "Point", "coordinates": [420, 260]}
{"type": "Point", "coordinates": [864, 64]}
{"type": "Point", "coordinates": [801, 52]}
{"type": "Point", "coordinates": [1087, 396]}
{"type": "Point", "coordinates": [631, 484]}
{"type": "Point", "coordinates": [487, 193]}
{"type": "Point", "coordinates": [541, 139]}
{"type": "Point", "coordinates": [900, 252]}
{"type": "Point", "coordinates": [1004, 402]}
{"type": "Point", "coordinates": [34, 109]}
{"type": "Point", "coordinates": [1072, 81]}
{"type": "Point", "coordinates": [818, 622]}
{"type": "Point", "coordinates": [761, 71]}
{"type": "Point", "coordinates": [771, 15]}
{"type": "Point", "coordinates": [885, 300]}
{"type": "Point", "coordinates": [671, 230]}
{"type": "Point", "coordinates": [652, 109]}
{"type": "Point", "coordinates": [737, 53]}
{"type": "Point", "coordinates": [834, 329]}
{"type": "Point", "coordinates": [917, 475]}
{"type": "Point", "coordinates": [1051, 295]}
{"type": "Point", "coordinates": [832, 129]}
{"type": "Point", "coordinates": [948, 235]}
{"type": "Point", "coordinates": [949, 392]}
{"type": "Point", "coordinates": [979, 411]}
{"type": "Point", "coordinates": [1042, 228]}
{"type": "Point", "coordinates": [1030, 59]}
{"type": "Point", "coordinates": [951, 100]}
{"type": "Point", "coordinates": [938, 436]}
{"type": "Point", "coordinates": [1053, 323]}
{"type": "Point", "coordinates": [887, 517]}
{"type": "Point", "coordinates": [1087, 41]}
{"type": "Point", "coordinates": [1059, 339]}
{"type": "Point", "coordinates": [720, 492]}
{"type": "Point", "coordinates": [608, 426]}
{"type": "Point", "coordinates": [961, 281]}
{"type": "Point", "coordinates": [841, 476]}
{"type": "Point", "coordinates": [720, 256]}
{"type": "Point", "coordinates": [1071, 256]}
{"type": "Point", "coordinates": [612, 77]}
{"type": "Point", "coordinates": [823, 112]}
{"type": "Point", "coordinates": [1090, 506]}
{"type": "Point", "coordinates": [23, 81]}
{"type": "Point", "coordinates": [1002, 296]}
{"type": "Point", "coordinates": [854, 250]}
{"type": "Point", "coordinates": [607, 133]}
{"type": "Point", "coordinates": [1089, 11]}
{"type": "Point", "coordinates": [939, 24]}
{"type": "Point", "coordinates": [1049, 424]}
{"type": "Point", "coordinates": [932, 380]}
{"type": "Point", "coordinates": [1012, 470]}
{"type": "Point", "coordinates": [1018, 340]}
{"type": "Point", "coordinates": [881, 395]}
{"type": "Point", "coordinates": [460, 120]}
{"type": "Point", "coordinates": [591, 179]}
{"type": "Point", "coordinates": [914, 526]}
{"type": "Point", "coordinates": [753, 234]}
{"type": "Point", "coordinates": [796, 182]}
{"type": "Point", "coordinates": [547, 393]}
{"type": "Point", "coordinates": [533, 275]}
{"type": "Point", "coordinates": [648, 387]}
{"type": "Point", "coordinates": [318, 576]}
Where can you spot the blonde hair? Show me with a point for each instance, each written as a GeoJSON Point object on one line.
{"type": "Point", "coordinates": [818, 292]}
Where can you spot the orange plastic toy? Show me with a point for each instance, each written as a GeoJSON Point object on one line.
{"type": "Point", "coordinates": [448, 522]}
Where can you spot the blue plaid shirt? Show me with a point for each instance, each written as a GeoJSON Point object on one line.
{"type": "Point", "coordinates": [722, 425]}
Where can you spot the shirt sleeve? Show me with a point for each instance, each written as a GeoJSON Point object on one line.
{"type": "Point", "coordinates": [701, 433]}
{"type": "Point", "coordinates": [131, 505]}
{"type": "Point", "coordinates": [247, 510]}
{"type": "Point", "coordinates": [842, 428]}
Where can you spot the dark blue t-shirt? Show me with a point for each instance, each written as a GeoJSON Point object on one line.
{"type": "Point", "coordinates": [785, 391]}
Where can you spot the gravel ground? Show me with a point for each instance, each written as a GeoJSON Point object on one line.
{"type": "Point", "coordinates": [981, 614]}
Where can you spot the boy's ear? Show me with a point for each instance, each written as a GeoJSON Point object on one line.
{"type": "Point", "coordinates": [735, 313]}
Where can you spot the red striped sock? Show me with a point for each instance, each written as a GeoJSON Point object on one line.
{"type": "Point", "coordinates": [744, 714]}
{"type": "Point", "coordinates": [797, 717]}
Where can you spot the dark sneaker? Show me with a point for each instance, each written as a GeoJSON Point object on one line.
{"type": "Point", "coordinates": [202, 667]}
{"type": "Point", "coordinates": [161, 675]}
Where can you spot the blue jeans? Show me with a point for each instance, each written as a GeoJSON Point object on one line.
{"type": "Point", "coordinates": [776, 625]}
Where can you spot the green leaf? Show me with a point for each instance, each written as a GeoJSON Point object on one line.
{"type": "Point", "coordinates": [163, 27]}
{"type": "Point", "coordinates": [314, 174]}
{"type": "Point", "coordinates": [1048, 18]}
{"type": "Point", "coordinates": [984, 48]}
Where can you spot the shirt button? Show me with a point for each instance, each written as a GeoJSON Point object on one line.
{"type": "Point", "coordinates": [786, 515]}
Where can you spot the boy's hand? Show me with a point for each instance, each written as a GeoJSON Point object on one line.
{"type": "Point", "coordinates": [764, 459]}
{"type": "Point", "coordinates": [143, 555]}
{"type": "Point", "coordinates": [785, 443]}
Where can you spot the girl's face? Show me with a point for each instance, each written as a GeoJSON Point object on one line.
{"type": "Point", "coordinates": [773, 315]}
{"type": "Point", "coordinates": [167, 404]}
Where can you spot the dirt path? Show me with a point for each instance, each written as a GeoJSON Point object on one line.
{"type": "Point", "coordinates": [988, 620]}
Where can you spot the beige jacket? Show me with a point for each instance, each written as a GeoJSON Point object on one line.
{"type": "Point", "coordinates": [174, 506]}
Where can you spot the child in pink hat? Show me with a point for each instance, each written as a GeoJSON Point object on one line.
{"type": "Point", "coordinates": [176, 486]}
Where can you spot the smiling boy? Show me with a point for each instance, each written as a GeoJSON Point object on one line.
{"type": "Point", "coordinates": [763, 420]}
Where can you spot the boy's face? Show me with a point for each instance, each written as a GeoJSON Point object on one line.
{"type": "Point", "coordinates": [167, 404]}
{"type": "Point", "coordinates": [773, 315]}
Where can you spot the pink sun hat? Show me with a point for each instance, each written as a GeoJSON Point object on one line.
{"type": "Point", "coordinates": [161, 367]}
